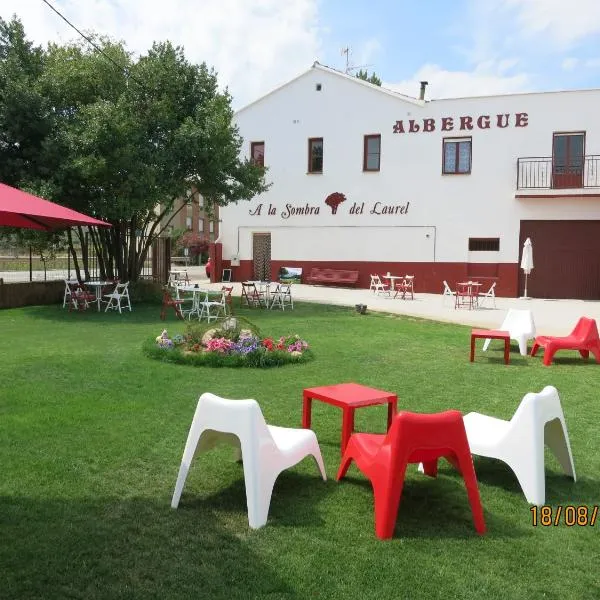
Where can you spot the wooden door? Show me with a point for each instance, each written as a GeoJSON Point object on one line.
{"type": "Point", "coordinates": [566, 255]}
{"type": "Point", "coordinates": [261, 256]}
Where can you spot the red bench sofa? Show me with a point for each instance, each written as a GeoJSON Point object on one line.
{"type": "Point", "coordinates": [332, 276]}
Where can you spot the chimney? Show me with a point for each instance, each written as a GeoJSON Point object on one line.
{"type": "Point", "coordinates": [422, 91]}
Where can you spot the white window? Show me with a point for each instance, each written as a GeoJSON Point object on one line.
{"type": "Point", "coordinates": [211, 227]}
{"type": "Point", "coordinates": [188, 222]}
{"type": "Point", "coordinates": [200, 225]}
{"type": "Point", "coordinates": [200, 200]}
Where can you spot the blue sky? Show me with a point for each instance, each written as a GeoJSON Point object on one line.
{"type": "Point", "coordinates": [500, 45]}
{"type": "Point", "coordinates": [462, 47]}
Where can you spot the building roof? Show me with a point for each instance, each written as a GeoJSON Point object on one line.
{"type": "Point", "coordinates": [316, 66]}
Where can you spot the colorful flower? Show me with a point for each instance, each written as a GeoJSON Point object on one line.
{"type": "Point", "coordinates": [268, 344]}
{"type": "Point", "coordinates": [221, 345]}
{"type": "Point", "coordinates": [246, 345]}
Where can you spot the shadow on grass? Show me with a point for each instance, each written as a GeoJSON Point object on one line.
{"type": "Point", "coordinates": [434, 508]}
{"type": "Point", "coordinates": [150, 313]}
{"type": "Point", "coordinates": [133, 548]}
{"type": "Point", "coordinates": [560, 488]}
{"type": "Point", "coordinates": [302, 492]}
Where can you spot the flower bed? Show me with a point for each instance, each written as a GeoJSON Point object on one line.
{"type": "Point", "coordinates": [229, 345]}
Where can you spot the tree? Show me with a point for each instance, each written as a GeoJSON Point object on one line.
{"type": "Point", "coordinates": [123, 143]}
{"type": "Point", "coordinates": [195, 243]}
{"type": "Point", "coordinates": [364, 75]}
{"type": "Point", "coordinates": [24, 121]}
{"type": "Point", "coordinates": [334, 200]}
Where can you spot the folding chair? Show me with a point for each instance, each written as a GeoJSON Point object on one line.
{"type": "Point", "coordinates": [412, 438]}
{"type": "Point", "coordinates": [266, 450]}
{"type": "Point", "coordinates": [282, 296]}
{"type": "Point", "coordinates": [521, 327]}
{"type": "Point", "coordinates": [186, 298]}
{"type": "Point", "coordinates": [227, 290]}
{"type": "Point", "coordinates": [378, 287]}
{"type": "Point", "coordinates": [120, 293]}
{"type": "Point", "coordinates": [68, 293]}
{"type": "Point", "coordinates": [406, 286]}
{"type": "Point", "coordinates": [483, 296]}
{"type": "Point", "coordinates": [167, 301]}
{"type": "Point", "coordinates": [251, 296]}
{"type": "Point", "coordinates": [447, 293]}
{"type": "Point", "coordinates": [538, 421]}
{"type": "Point", "coordinates": [80, 297]}
{"type": "Point", "coordinates": [207, 307]}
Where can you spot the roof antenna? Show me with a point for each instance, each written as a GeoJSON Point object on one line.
{"type": "Point", "coordinates": [349, 68]}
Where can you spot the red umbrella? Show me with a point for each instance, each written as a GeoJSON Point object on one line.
{"type": "Point", "coordinates": [20, 209]}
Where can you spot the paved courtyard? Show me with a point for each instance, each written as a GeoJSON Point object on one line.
{"type": "Point", "coordinates": [553, 317]}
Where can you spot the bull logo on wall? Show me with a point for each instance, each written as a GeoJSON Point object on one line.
{"type": "Point", "coordinates": [334, 200]}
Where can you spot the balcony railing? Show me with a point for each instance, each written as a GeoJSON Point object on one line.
{"type": "Point", "coordinates": [541, 173]}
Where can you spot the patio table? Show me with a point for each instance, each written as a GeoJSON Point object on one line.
{"type": "Point", "coordinates": [98, 292]}
{"type": "Point", "coordinates": [348, 397]}
{"type": "Point", "coordinates": [196, 298]}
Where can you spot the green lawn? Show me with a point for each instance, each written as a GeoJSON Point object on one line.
{"type": "Point", "coordinates": [92, 432]}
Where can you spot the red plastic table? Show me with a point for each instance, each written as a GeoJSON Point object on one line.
{"type": "Point", "coordinates": [348, 397]}
{"type": "Point", "coordinates": [493, 334]}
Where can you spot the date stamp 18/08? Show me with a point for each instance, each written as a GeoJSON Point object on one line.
{"type": "Point", "coordinates": [569, 515]}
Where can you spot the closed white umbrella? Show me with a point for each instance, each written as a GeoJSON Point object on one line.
{"type": "Point", "coordinates": [527, 261]}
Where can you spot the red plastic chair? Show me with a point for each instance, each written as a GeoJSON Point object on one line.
{"type": "Point", "coordinates": [583, 338]}
{"type": "Point", "coordinates": [412, 438]}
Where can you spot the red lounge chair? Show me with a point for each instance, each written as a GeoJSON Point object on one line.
{"type": "Point", "coordinates": [412, 438]}
{"type": "Point", "coordinates": [583, 338]}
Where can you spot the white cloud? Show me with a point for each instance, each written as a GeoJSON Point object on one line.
{"type": "Point", "coordinates": [487, 78]}
{"type": "Point", "coordinates": [565, 23]}
{"type": "Point", "coordinates": [592, 63]}
{"type": "Point", "coordinates": [568, 64]}
{"type": "Point", "coordinates": [255, 46]}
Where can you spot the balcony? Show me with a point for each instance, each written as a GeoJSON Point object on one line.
{"type": "Point", "coordinates": [540, 173]}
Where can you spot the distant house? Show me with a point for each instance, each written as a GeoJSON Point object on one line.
{"type": "Point", "coordinates": [191, 215]}
{"type": "Point", "coordinates": [368, 179]}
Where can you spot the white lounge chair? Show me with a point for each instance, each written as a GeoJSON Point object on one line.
{"type": "Point", "coordinates": [520, 325]}
{"type": "Point", "coordinates": [520, 442]}
{"type": "Point", "coordinates": [266, 450]}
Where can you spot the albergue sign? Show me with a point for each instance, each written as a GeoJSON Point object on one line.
{"type": "Point", "coordinates": [465, 123]}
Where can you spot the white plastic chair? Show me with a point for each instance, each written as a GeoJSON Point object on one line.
{"type": "Point", "coordinates": [120, 294]}
{"type": "Point", "coordinates": [448, 293]}
{"type": "Point", "coordinates": [483, 296]}
{"type": "Point", "coordinates": [378, 286]}
{"type": "Point", "coordinates": [521, 327]}
{"type": "Point", "coordinates": [520, 442]}
{"type": "Point", "coordinates": [266, 450]}
{"type": "Point", "coordinates": [282, 296]}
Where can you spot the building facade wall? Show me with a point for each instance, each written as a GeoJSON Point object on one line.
{"type": "Point", "coordinates": [408, 216]}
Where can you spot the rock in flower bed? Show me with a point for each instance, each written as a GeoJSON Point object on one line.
{"type": "Point", "coordinates": [232, 344]}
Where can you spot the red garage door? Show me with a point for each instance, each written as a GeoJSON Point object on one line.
{"type": "Point", "coordinates": [566, 255]}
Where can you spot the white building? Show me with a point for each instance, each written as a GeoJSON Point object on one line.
{"type": "Point", "coordinates": [442, 189]}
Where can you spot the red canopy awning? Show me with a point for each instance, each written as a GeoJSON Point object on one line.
{"type": "Point", "coordinates": [20, 209]}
